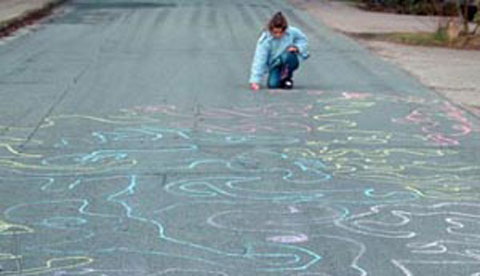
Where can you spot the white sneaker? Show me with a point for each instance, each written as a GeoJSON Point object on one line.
{"type": "Point", "coordinates": [288, 84]}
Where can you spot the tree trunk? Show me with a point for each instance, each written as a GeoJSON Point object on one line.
{"type": "Point", "coordinates": [463, 14]}
{"type": "Point", "coordinates": [452, 30]}
{"type": "Point", "coordinates": [465, 18]}
{"type": "Point", "coordinates": [436, 7]}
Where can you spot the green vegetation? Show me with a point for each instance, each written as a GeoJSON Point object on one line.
{"type": "Point", "coordinates": [438, 39]}
{"type": "Point", "coordinates": [416, 7]}
{"type": "Point", "coordinates": [424, 39]}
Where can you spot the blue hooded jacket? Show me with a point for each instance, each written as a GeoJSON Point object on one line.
{"type": "Point", "coordinates": [269, 48]}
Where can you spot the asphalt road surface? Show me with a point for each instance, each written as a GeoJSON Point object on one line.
{"type": "Point", "coordinates": [131, 145]}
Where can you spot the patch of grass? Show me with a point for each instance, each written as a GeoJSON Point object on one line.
{"type": "Point", "coordinates": [437, 39]}
{"type": "Point", "coordinates": [421, 39]}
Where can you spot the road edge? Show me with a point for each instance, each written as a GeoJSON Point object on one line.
{"type": "Point", "coordinates": [28, 17]}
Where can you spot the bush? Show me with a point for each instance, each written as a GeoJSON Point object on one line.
{"type": "Point", "coordinates": [417, 7]}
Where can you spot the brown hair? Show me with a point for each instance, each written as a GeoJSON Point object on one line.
{"type": "Point", "coordinates": [278, 21]}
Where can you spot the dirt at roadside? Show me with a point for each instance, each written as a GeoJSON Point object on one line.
{"type": "Point", "coordinates": [27, 15]}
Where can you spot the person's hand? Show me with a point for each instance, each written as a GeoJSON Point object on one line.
{"type": "Point", "coordinates": [293, 49]}
{"type": "Point", "coordinates": [255, 86]}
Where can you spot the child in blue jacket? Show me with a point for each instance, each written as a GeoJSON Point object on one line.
{"type": "Point", "coordinates": [277, 53]}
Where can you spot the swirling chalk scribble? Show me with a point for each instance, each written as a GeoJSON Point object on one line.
{"type": "Point", "coordinates": [311, 183]}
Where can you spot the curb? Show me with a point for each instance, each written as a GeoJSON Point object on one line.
{"type": "Point", "coordinates": [28, 18]}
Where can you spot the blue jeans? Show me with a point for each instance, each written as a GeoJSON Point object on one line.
{"type": "Point", "coordinates": [282, 68]}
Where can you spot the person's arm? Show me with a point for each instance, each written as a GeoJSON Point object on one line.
{"type": "Point", "coordinates": [259, 64]}
{"type": "Point", "coordinates": [301, 42]}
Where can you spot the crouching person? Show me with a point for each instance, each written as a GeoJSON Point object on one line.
{"type": "Point", "coordinates": [277, 53]}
